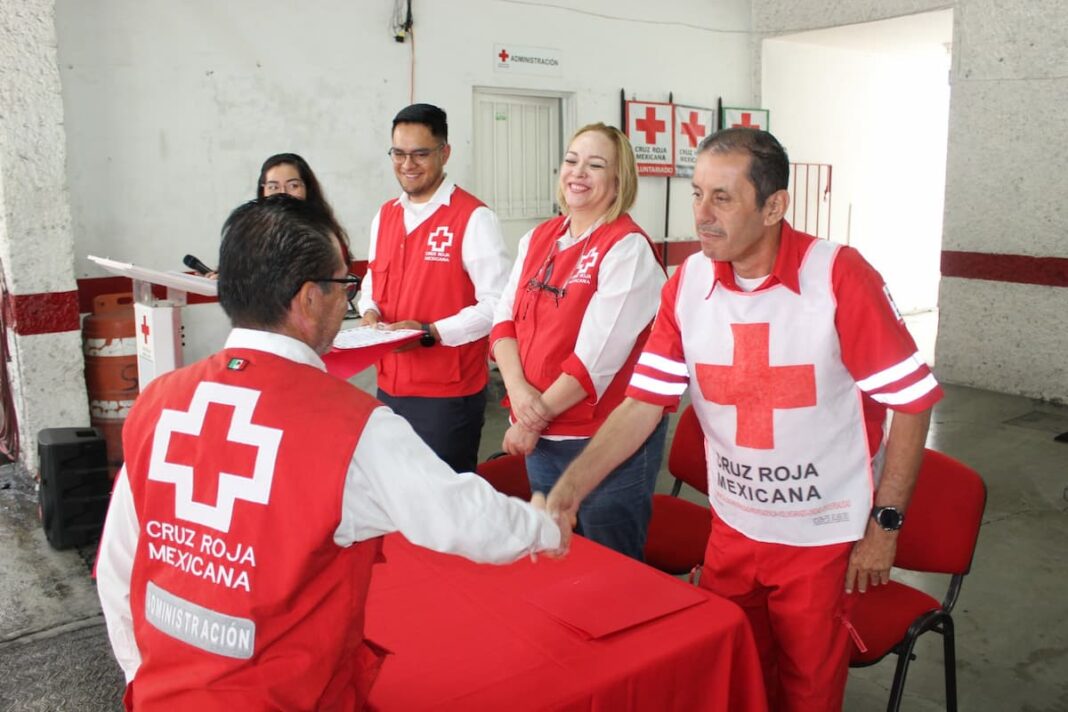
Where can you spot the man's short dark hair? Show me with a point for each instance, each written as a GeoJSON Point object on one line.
{"type": "Point", "coordinates": [270, 247]}
{"type": "Point", "coordinates": [428, 115]}
{"type": "Point", "coordinates": [769, 166]}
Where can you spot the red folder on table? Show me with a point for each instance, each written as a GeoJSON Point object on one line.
{"type": "Point", "coordinates": [356, 349]}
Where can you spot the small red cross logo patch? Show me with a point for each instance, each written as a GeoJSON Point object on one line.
{"type": "Point", "coordinates": [440, 240]}
{"type": "Point", "coordinates": [586, 262]}
{"type": "Point", "coordinates": [756, 388]}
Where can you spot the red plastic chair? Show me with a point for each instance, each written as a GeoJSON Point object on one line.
{"type": "Point", "coordinates": [938, 536]}
{"type": "Point", "coordinates": [679, 529]}
{"type": "Point", "coordinates": [507, 474]}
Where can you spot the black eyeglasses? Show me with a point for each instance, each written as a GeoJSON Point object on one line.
{"type": "Point", "coordinates": [419, 155]}
{"type": "Point", "coordinates": [542, 284]}
{"type": "Point", "coordinates": [351, 282]}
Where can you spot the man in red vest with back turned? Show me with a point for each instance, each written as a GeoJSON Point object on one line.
{"type": "Point", "coordinates": [436, 262]}
{"type": "Point", "coordinates": [237, 553]}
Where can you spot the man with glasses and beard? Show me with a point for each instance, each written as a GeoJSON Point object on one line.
{"type": "Point", "coordinates": [236, 557]}
{"type": "Point", "coordinates": [436, 263]}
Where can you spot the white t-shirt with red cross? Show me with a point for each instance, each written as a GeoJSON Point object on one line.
{"type": "Point", "coordinates": [790, 382]}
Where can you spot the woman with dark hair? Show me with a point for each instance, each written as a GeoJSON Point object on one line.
{"type": "Point", "coordinates": [289, 173]}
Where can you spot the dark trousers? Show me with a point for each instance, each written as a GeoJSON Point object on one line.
{"type": "Point", "coordinates": [452, 427]}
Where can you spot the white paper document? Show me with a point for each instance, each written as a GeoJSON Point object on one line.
{"type": "Point", "coordinates": [364, 336]}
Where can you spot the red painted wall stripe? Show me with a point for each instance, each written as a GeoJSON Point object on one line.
{"type": "Point", "coordinates": [674, 254]}
{"type": "Point", "coordinates": [44, 313]}
{"type": "Point", "coordinates": [1021, 269]}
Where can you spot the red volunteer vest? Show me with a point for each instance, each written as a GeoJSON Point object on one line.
{"type": "Point", "coordinates": [547, 327]}
{"type": "Point", "coordinates": [240, 598]}
{"type": "Point", "coordinates": [421, 276]}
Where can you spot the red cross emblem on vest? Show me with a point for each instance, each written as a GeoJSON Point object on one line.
{"type": "Point", "coordinates": [756, 388]}
{"type": "Point", "coordinates": [440, 240]}
{"type": "Point", "coordinates": [586, 262]}
{"type": "Point", "coordinates": [214, 455]}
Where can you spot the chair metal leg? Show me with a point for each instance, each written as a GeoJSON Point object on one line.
{"type": "Point", "coordinates": [950, 655]}
{"type": "Point", "coordinates": [897, 688]}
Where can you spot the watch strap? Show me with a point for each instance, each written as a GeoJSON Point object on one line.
{"type": "Point", "coordinates": [427, 339]}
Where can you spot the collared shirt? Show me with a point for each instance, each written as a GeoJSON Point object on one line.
{"type": "Point", "coordinates": [394, 483]}
{"type": "Point", "coordinates": [483, 255]}
{"type": "Point", "coordinates": [787, 264]}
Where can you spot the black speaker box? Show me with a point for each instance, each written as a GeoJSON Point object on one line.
{"type": "Point", "coordinates": [74, 486]}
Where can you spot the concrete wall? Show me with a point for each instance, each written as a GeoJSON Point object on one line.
{"type": "Point", "coordinates": [35, 231]}
{"type": "Point", "coordinates": [171, 107]}
{"type": "Point", "coordinates": [1005, 194]}
{"type": "Point", "coordinates": [1004, 179]}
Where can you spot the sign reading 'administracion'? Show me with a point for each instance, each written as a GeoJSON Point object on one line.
{"type": "Point", "coordinates": [512, 59]}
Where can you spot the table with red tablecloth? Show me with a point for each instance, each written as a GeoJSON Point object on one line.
{"type": "Point", "coordinates": [592, 631]}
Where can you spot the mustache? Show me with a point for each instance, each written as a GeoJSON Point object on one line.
{"type": "Point", "coordinates": [707, 229]}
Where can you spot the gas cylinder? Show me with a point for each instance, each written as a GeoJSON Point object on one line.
{"type": "Point", "coordinates": [110, 348]}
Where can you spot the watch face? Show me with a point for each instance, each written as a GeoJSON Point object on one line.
{"type": "Point", "coordinates": [888, 518]}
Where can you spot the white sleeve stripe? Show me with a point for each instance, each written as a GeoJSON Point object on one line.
{"type": "Point", "coordinates": [889, 375]}
{"type": "Point", "coordinates": [675, 368]}
{"type": "Point", "coordinates": [907, 395]}
{"type": "Point", "coordinates": [663, 388]}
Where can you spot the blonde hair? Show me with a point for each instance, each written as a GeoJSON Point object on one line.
{"type": "Point", "coordinates": [626, 171]}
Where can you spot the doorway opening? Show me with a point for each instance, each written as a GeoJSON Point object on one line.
{"type": "Point", "coordinates": [872, 100]}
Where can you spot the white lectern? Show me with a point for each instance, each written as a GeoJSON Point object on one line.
{"type": "Point", "coordinates": [158, 322]}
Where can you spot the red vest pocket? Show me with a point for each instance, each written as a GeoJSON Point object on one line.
{"type": "Point", "coordinates": [439, 364]}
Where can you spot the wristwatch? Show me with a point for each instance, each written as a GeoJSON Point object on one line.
{"type": "Point", "coordinates": [889, 518]}
{"type": "Point", "coordinates": [427, 339]}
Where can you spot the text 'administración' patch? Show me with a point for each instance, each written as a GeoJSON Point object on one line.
{"type": "Point", "coordinates": [198, 626]}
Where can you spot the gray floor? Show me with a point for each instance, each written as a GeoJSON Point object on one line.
{"type": "Point", "coordinates": [1012, 631]}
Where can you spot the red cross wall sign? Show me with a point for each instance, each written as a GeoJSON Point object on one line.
{"type": "Point", "coordinates": [692, 124]}
{"type": "Point", "coordinates": [736, 118]}
{"type": "Point", "coordinates": [651, 130]}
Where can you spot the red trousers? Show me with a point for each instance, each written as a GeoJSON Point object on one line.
{"type": "Point", "coordinates": [794, 597]}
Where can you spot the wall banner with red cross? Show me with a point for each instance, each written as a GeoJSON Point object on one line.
{"type": "Point", "coordinates": [651, 130]}
{"type": "Point", "coordinates": [691, 125]}
{"type": "Point", "coordinates": [735, 118]}
{"type": "Point", "coordinates": [513, 59]}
